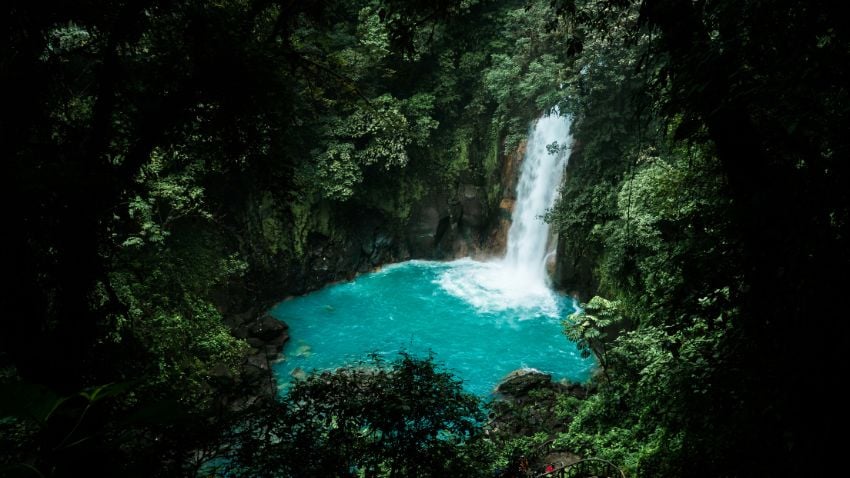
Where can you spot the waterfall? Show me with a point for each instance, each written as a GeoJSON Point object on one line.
{"type": "Point", "coordinates": [539, 180]}
{"type": "Point", "coordinates": [518, 281]}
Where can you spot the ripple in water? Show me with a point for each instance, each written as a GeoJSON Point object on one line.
{"type": "Point", "coordinates": [481, 319]}
{"type": "Point", "coordinates": [495, 286]}
{"type": "Point", "coordinates": [466, 312]}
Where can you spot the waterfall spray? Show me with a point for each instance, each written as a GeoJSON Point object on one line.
{"type": "Point", "coordinates": [519, 279]}
{"type": "Point", "coordinates": [540, 177]}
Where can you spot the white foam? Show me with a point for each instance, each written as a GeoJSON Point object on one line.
{"type": "Point", "coordinates": [493, 286]}
{"type": "Point", "coordinates": [537, 189]}
{"type": "Point", "coordinates": [519, 281]}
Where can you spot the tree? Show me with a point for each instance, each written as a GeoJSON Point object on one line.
{"type": "Point", "coordinates": [403, 419]}
{"type": "Point", "coordinates": [701, 128]}
{"type": "Point", "coordinates": [590, 327]}
{"type": "Point", "coordinates": [141, 136]}
{"type": "Point", "coordinates": [761, 81]}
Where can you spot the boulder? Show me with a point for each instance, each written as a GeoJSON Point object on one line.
{"type": "Point", "coordinates": [267, 328]}
{"type": "Point", "coordinates": [279, 340]}
{"type": "Point", "coordinates": [258, 361]}
{"type": "Point", "coordinates": [474, 208]}
{"type": "Point", "coordinates": [519, 382]}
{"type": "Point", "coordinates": [255, 342]}
{"type": "Point", "coordinates": [506, 206]}
{"type": "Point", "coordinates": [273, 352]}
{"type": "Point", "coordinates": [238, 323]}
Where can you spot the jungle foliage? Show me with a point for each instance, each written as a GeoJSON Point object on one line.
{"type": "Point", "coordinates": [704, 205]}
{"type": "Point", "coordinates": [164, 158]}
{"type": "Point", "coordinates": [405, 418]}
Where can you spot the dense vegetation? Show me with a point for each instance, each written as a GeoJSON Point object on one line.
{"type": "Point", "coordinates": [707, 207]}
{"type": "Point", "coordinates": [425, 425]}
{"type": "Point", "coordinates": [172, 164]}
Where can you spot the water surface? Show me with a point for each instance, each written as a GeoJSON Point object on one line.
{"type": "Point", "coordinates": [478, 322]}
{"type": "Point", "coordinates": [481, 319]}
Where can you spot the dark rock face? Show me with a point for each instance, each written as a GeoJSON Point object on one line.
{"type": "Point", "coordinates": [449, 225]}
{"type": "Point", "coordinates": [424, 228]}
{"type": "Point", "coordinates": [263, 330]}
{"type": "Point", "coordinates": [573, 271]}
{"type": "Point", "coordinates": [519, 382]}
{"type": "Point", "coordinates": [268, 329]}
{"type": "Point", "coordinates": [575, 259]}
{"type": "Point", "coordinates": [266, 336]}
{"type": "Point", "coordinates": [502, 222]}
{"type": "Point", "coordinates": [473, 211]}
{"type": "Point", "coordinates": [526, 404]}
{"type": "Point", "coordinates": [293, 249]}
{"type": "Point", "coordinates": [360, 243]}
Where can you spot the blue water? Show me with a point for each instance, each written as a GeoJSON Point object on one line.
{"type": "Point", "coordinates": [480, 320]}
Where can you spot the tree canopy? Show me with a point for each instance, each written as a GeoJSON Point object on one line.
{"type": "Point", "coordinates": [174, 166]}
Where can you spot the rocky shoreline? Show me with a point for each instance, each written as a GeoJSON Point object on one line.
{"type": "Point", "coordinates": [266, 336]}
{"type": "Point", "coordinates": [526, 403]}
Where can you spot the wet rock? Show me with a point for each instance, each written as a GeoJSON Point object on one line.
{"type": "Point", "coordinates": [518, 383]}
{"type": "Point", "coordinates": [237, 323]}
{"type": "Point", "coordinates": [265, 336]}
{"type": "Point", "coordinates": [422, 228]}
{"type": "Point", "coordinates": [267, 328]}
{"type": "Point", "coordinates": [258, 361]}
{"type": "Point", "coordinates": [473, 206]}
{"type": "Point", "coordinates": [303, 350]}
{"type": "Point", "coordinates": [272, 352]}
{"type": "Point", "coordinates": [255, 342]}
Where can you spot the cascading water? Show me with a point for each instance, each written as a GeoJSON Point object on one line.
{"type": "Point", "coordinates": [519, 280]}
{"type": "Point", "coordinates": [482, 319]}
{"type": "Point", "coordinates": [540, 177]}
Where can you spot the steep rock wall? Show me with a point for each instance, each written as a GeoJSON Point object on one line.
{"type": "Point", "coordinates": [575, 259]}
{"type": "Point", "coordinates": [295, 246]}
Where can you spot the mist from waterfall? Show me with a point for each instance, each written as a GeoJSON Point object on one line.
{"type": "Point", "coordinates": [539, 181]}
{"type": "Point", "coordinates": [519, 280]}
{"type": "Point", "coordinates": [483, 318]}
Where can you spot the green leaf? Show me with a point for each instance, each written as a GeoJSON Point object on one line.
{"type": "Point", "coordinates": [100, 392]}
{"type": "Point", "coordinates": [28, 401]}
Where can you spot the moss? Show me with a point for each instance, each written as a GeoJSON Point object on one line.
{"type": "Point", "coordinates": [301, 212]}
{"type": "Point", "coordinates": [493, 176]}
{"type": "Point", "coordinates": [409, 193]}
{"type": "Point", "coordinates": [459, 161]}
{"type": "Point", "coordinates": [397, 203]}
{"type": "Point", "coordinates": [491, 160]}
{"type": "Point", "coordinates": [272, 229]}
{"type": "Point", "coordinates": [322, 218]}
